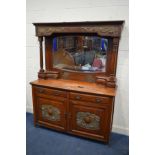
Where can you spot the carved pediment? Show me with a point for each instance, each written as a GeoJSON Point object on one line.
{"type": "Point", "coordinates": [112, 29]}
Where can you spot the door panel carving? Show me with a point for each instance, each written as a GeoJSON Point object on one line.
{"type": "Point", "coordinates": [88, 120]}
{"type": "Point", "coordinates": [50, 112]}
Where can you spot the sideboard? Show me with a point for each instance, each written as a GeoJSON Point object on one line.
{"type": "Point", "coordinates": [76, 86]}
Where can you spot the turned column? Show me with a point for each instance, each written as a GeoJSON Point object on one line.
{"type": "Point", "coordinates": [115, 49]}
{"type": "Point", "coordinates": [41, 53]}
{"type": "Point", "coordinates": [112, 56]}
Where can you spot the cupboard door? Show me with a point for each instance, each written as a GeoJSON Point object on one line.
{"type": "Point", "coordinates": [92, 122]}
{"type": "Point", "coordinates": [51, 113]}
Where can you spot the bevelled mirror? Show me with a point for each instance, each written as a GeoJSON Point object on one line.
{"type": "Point", "coordinates": [80, 53]}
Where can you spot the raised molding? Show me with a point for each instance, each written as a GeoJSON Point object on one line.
{"type": "Point", "coordinates": [111, 29]}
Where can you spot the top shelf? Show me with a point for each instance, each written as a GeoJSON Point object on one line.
{"type": "Point", "coordinates": [116, 22]}
{"type": "Point", "coordinates": [102, 28]}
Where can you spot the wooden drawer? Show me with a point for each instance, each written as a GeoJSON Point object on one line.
{"type": "Point", "coordinates": [90, 98]}
{"type": "Point", "coordinates": [54, 92]}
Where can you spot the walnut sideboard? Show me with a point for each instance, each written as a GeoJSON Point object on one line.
{"type": "Point", "coordinates": [76, 85]}
{"type": "Point", "coordinates": [74, 107]}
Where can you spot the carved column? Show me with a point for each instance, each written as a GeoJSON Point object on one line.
{"type": "Point", "coordinates": [115, 49]}
{"type": "Point", "coordinates": [41, 53]}
{"type": "Point", "coordinates": [110, 80]}
{"type": "Point", "coordinates": [112, 55]}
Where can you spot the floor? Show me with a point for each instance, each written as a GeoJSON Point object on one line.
{"type": "Point", "coordinates": [42, 141]}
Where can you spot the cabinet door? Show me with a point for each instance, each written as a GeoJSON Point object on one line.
{"type": "Point", "coordinates": [92, 122]}
{"type": "Point", "coordinates": [51, 113]}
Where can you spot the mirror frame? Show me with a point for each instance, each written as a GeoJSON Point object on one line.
{"type": "Point", "coordinates": [108, 29]}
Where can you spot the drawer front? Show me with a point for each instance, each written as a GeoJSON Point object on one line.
{"type": "Point", "coordinates": [53, 92]}
{"type": "Point", "coordinates": [90, 98]}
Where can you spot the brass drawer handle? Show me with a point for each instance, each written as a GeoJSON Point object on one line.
{"type": "Point", "coordinates": [56, 93]}
{"type": "Point", "coordinates": [78, 97]}
{"type": "Point", "coordinates": [41, 90]}
{"type": "Point", "coordinates": [98, 100]}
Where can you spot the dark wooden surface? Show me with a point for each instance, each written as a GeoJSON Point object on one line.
{"type": "Point", "coordinates": [48, 53]}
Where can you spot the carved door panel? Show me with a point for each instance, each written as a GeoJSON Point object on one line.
{"type": "Point", "coordinates": [52, 113]}
{"type": "Point", "coordinates": [89, 121]}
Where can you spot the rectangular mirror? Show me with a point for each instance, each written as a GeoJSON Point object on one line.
{"type": "Point", "coordinates": [80, 53]}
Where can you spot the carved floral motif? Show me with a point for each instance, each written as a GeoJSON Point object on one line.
{"type": "Point", "coordinates": [88, 120]}
{"type": "Point", "coordinates": [106, 30]}
{"type": "Point", "coordinates": [50, 112]}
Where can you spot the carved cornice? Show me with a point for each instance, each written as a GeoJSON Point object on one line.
{"type": "Point", "coordinates": [112, 29]}
{"type": "Point", "coordinates": [115, 41]}
{"type": "Point", "coordinates": [100, 30]}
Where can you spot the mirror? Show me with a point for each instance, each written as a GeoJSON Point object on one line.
{"type": "Point", "coordinates": [80, 53]}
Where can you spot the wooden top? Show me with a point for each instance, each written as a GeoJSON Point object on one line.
{"type": "Point", "coordinates": [117, 22]}
{"type": "Point", "coordinates": [77, 86]}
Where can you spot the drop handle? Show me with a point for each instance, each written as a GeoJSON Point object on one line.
{"type": "Point", "coordinates": [98, 100]}
{"type": "Point", "coordinates": [56, 93]}
{"type": "Point", "coordinates": [78, 97]}
{"type": "Point", "coordinates": [41, 90]}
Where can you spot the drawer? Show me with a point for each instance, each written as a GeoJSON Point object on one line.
{"type": "Point", "coordinates": [53, 92]}
{"type": "Point", "coordinates": [90, 98]}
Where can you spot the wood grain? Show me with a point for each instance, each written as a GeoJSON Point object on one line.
{"type": "Point", "coordinates": [78, 86]}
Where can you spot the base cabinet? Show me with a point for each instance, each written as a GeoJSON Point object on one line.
{"type": "Point", "coordinates": [76, 113]}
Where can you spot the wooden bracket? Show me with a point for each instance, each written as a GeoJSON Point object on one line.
{"type": "Point", "coordinates": [108, 81]}
{"type": "Point", "coordinates": [48, 75]}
